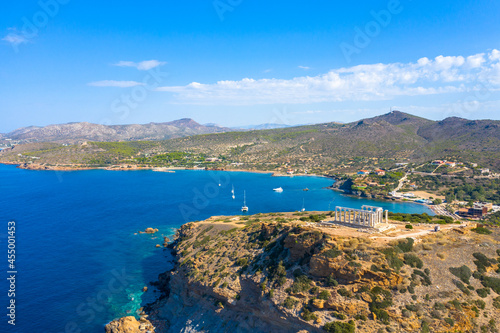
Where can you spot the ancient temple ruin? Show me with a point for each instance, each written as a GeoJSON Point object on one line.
{"type": "Point", "coordinates": [368, 216]}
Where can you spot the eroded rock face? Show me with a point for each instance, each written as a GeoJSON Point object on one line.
{"type": "Point", "coordinates": [301, 244]}
{"type": "Point", "coordinates": [350, 307]}
{"type": "Point", "coordinates": [129, 325]}
{"type": "Point", "coordinates": [321, 266]}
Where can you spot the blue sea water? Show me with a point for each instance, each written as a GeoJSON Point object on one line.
{"type": "Point", "coordinates": [79, 260]}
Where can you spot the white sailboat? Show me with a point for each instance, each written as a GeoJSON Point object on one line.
{"type": "Point", "coordinates": [303, 206]}
{"type": "Point", "coordinates": [232, 192]}
{"type": "Point", "coordinates": [244, 208]}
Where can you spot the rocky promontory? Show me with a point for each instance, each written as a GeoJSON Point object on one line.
{"type": "Point", "coordinates": [285, 273]}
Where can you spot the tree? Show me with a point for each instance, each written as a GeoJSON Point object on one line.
{"type": "Point", "coordinates": [437, 201]}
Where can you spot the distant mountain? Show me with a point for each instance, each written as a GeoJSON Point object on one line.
{"type": "Point", "coordinates": [83, 131]}
{"type": "Point", "coordinates": [380, 141]}
{"type": "Point", "coordinates": [263, 126]}
{"type": "Point", "coordinates": [396, 135]}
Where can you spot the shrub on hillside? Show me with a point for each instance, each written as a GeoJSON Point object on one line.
{"type": "Point", "coordinates": [340, 327]}
{"type": "Point", "coordinates": [482, 230]}
{"type": "Point", "coordinates": [463, 273]}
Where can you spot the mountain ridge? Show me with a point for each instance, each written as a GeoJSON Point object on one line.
{"type": "Point", "coordinates": [83, 131]}
{"type": "Point", "coordinates": [321, 148]}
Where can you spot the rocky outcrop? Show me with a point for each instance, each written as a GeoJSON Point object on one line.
{"type": "Point", "coordinates": [350, 307]}
{"type": "Point", "coordinates": [149, 231]}
{"type": "Point", "coordinates": [287, 277]}
{"type": "Point", "coordinates": [343, 269]}
{"type": "Point", "coordinates": [130, 325]}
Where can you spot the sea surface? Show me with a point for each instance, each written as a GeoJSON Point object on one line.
{"type": "Point", "coordinates": [81, 263]}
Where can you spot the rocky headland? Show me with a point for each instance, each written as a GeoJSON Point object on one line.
{"type": "Point", "coordinates": [285, 273]}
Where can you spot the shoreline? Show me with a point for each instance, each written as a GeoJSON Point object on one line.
{"type": "Point", "coordinates": [132, 167]}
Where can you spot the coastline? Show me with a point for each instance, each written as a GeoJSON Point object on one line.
{"type": "Point", "coordinates": [133, 167]}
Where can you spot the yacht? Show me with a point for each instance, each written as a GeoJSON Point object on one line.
{"type": "Point", "coordinates": [245, 207]}
{"type": "Point", "coordinates": [278, 189]}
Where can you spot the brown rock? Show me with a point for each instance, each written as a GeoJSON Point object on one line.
{"type": "Point", "coordinates": [150, 230]}
{"type": "Point", "coordinates": [128, 325]}
{"type": "Point", "coordinates": [350, 307]}
{"type": "Point", "coordinates": [322, 267]}
{"type": "Point", "coordinates": [318, 303]}
{"type": "Point", "coordinates": [158, 245]}
{"type": "Point", "coordinates": [145, 289]}
{"type": "Point", "coordinates": [299, 245]}
{"type": "Point", "coordinates": [366, 297]}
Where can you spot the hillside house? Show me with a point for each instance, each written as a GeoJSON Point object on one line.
{"type": "Point", "coordinates": [380, 172]}
{"type": "Point", "coordinates": [363, 172]}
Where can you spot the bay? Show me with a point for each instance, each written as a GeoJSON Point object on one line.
{"type": "Point", "coordinates": [79, 257]}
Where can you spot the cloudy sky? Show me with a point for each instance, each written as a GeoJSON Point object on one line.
{"type": "Point", "coordinates": [240, 62]}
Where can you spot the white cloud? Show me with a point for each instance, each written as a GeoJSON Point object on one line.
{"type": "Point", "coordinates": [441, 75]}
{"type": "Point", "coordinates": [475, 61]}
{"type": "Point", "coordinates": [143, 65]}
{"type": "Point", "coordinates": [119, 84]}
{"type": "Point", "coordinates": [15, 38]}
{"type": "Point", "coordinates": [308, 112]}
{"type": "Point", "coordinates": [304, 67]}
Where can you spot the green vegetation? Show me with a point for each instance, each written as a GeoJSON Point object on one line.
{"type": "Point", "coordinates": [463, 273]}
{"type": "Point", "coordinates": [324, 294]}
{"type": "Point", "coordinates": [420, 218]}
{"type": "Point", "coordinates": [491, 282]}
{"type": "Point", "coordinates": [493, 218]}
{"type": "Point", "coordinates": [406, 246]}
{"type": "Point", "coordinates": [449, 321]}
{"type": "Point", "coordinates": [481, 230]}
{"type": "Point", "coordinates": [483, 292]}
{"type": "Point", "coordinates": [482, 262]}
{"type": "Point", "coordinates": [301, 284]}
{"type": "Point", "coordinates": [392, 257]}
{"type": "Point", "coordinates": [413, 261]}
{"type": "Point", "coordinates": [332, 253]}
{"type": "Point", "coordinates": [340, 327]}
{"type": "Point", "coordinates": [381, 299]}
{"type": "Point", "coordinates": [290, 302]}
{"type": "Point", "coordinates": [307, 315]}
{"type": "Point", "coordinates": [460, 188]}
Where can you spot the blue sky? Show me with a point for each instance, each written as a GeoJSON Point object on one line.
{"type": "Point", "coordinates": [240, 62]}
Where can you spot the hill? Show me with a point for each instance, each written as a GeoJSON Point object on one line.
{"type": "Point", "coordinates": [322, 148]}
{"type": "Point", "coordinates": [83, 131]}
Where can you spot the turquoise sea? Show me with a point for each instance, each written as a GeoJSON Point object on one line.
{"type": "Point", "coordinates": [79, 261]}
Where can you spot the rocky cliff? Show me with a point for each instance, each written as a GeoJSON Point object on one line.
{"type": "Point", "coordinates": [281, 273]}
